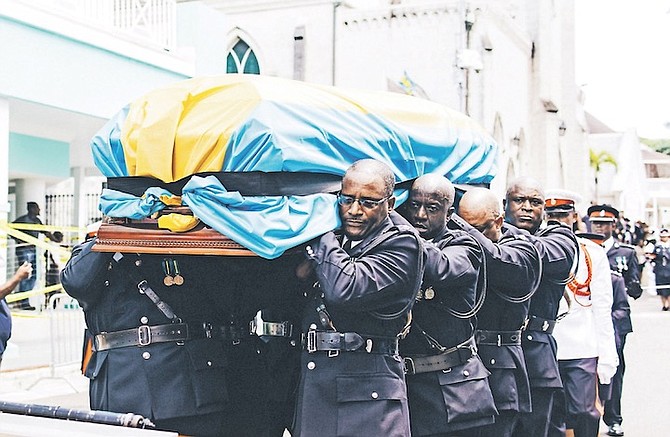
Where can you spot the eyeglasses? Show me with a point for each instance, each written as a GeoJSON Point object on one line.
{"type": "Point", "coordinates": [345, 200]}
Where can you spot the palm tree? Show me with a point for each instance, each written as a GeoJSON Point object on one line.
{"type": "Point", "coordinates": [597, 160]}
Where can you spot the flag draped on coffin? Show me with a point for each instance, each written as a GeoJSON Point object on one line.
{"type": "Point", "coordinates": [251, 123]}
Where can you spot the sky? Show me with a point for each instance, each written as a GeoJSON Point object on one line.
{"type": "Point", "coordinates": [623, 63]}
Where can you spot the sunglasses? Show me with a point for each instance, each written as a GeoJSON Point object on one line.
{"type": "Point", "coordinates": [345, 200]}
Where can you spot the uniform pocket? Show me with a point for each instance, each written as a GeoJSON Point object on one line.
{"type": "Point", "coordinates": [208, 376]}
{"type": "Point", "coordinates": [372, 405]}
{"type": "Point", "coordinates": [466, 392]}
{"type": "Point", "coordinates": [540, 356]}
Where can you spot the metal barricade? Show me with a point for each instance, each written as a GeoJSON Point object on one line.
{"type": "Point", "coordinates": [66, 323]}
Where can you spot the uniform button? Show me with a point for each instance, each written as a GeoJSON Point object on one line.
{"type": "Point", "coordinates": [311, 365]}
{"type": "Point", "coordinates": [209, 363]}
{"type": "Point", "coordinates": [138, 262]}
{"type": "Point", "coordinates": [106, 283]}
{"type": "Point", "coordinates": [293, 343]}
{"type": "Point", "coordinates": [530, 337]}
{"type": "Point", "coordinates": [374, 395]}
{"type": "Point", "coordinates": [312, 326]}
{"type": "Point", "coordinates": [146, 355]}
{"type": "Point", "coordinates": [466, 373]}
{"type": "Point", "coordinates": [493, 360]}
{"type": "Point", "coordinates": [144, 320]}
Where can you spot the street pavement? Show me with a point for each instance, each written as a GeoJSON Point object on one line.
{"type": "Point", "coordinates": [27, 378]}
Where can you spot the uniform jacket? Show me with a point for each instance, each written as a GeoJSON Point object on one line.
{"type": "Point", "coordinates": [558, 247]}
{"type": "Point", "coordinates": [620, 308]}
{"type": "Point", "coordinates": [662, 263]}
{"type": "Point", "coordinates": [513, 256]}
{"type": "Point", "coordinates": [370, 291]}
{"type": "Point", "coordinates": [445, 401]}
{"type": "Point", "coordinates": [623, 259]}
{"type": "Point", "coordinates": [173, 380]}
{"type": "Point", "coordinates": [585, 329]}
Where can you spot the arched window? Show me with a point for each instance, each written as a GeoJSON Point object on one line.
{"type": "Point", "coordinates": [241, 59]}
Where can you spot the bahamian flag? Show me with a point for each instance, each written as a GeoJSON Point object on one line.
{"type": "Point", "coordinates": [251, 123]}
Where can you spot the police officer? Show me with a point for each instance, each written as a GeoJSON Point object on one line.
{"type": "Point", "coordinates": [524, 208]}
{"type": "Point", "coordinates": [447, 382]}
{"type": "Point", "coordinates": [509, 254]}
{"type": "Point", "coordinates": [584, 332]}
{"type": "Point", "coordinates": [352, 380]}
{"type": "Point", "coordinates": [622, 259]}
{"type": "Point", "coordinates": [172, 341]}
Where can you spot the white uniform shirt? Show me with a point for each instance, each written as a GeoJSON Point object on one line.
{"type": "Point", "coordinates": [586, 330]}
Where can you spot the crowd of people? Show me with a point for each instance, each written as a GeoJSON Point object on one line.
{"type": "Point", "coordinates": [446, 316]}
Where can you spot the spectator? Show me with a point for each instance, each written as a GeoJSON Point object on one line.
{"type": "Point", "coordinates": [26, 252]}
{"type": "Point", "coordinates": [24, 271]}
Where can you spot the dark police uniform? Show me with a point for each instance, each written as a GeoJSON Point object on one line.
{"type": "Point", "coordinates": [352, 379]}
{"type": "Point", "coordinates": [623, 259]}
{"type": "Point", "coordinates": [182, 372]}
{"type": "Point", "coordinates": [512, 273]}
{"type": "Point", "coordinates": [447, 383]}
{"type": "Point", "coordinates": [557, 246]}
{"type": "Point", "coordinates": [622, 326]}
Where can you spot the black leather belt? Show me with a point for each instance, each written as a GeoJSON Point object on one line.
{"type": "Point", "coordinates": [335, 342]}
{"type": "Point", "coordinates": [446, 360]}
{"type": "Point", "coordinates": [535, 323]}
{"type": "Point", "coordinates": [498, 338]}
{"type": "Point", "coordinates": [179, 332]}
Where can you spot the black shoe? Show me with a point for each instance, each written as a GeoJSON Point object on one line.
{"type": "Point", "coordinates": [665, 308]}
{"type": "Point", "coordinates": [615, 430]}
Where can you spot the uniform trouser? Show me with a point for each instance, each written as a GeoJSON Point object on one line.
{"type": "Point", "coordinates": [503, 427]}
{"type": "Point", "coordinates": [613, 405]}
{"type": "Point", "coordinates": [579, 409]}
{"type": "Point", "coordinates": [536, 423]}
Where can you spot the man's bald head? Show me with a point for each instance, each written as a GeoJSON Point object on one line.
{"type": "Point", "coordinates": [436, 184]}
{"type": "Point", "coordinates": [482, 209]}
{"type": "Point", "coordinates": [373, 169]}
{"type": "Point", "coordinates": [430, 204]}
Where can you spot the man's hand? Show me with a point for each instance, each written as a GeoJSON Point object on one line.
{"type": "Point", "coordinates": [24, 271]}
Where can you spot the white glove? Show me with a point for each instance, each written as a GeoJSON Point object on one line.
{"type": "Point", "coordinates": [605, 372]}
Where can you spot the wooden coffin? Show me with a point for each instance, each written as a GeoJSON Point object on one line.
{"type": "Point", "coordinates": [144, 236]}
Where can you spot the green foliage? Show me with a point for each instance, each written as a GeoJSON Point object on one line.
{"type": "Point", "coordinates": [659, 145]}
{"type": "Point", "coordinates": [598, 159]}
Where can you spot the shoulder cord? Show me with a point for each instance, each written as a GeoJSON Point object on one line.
{"type": "Point", "coordinates": [583, 289]}
{"type": "Point", "coordinates": [144, 288]}
{"type": "Point", "coordinates": [482, 283]}
{"type": "Point", "coordinates": [575, 262]}
{"type": "Point", "coordinates": [326, 320]}
{"type": "Point", "coordinates": [527, 296]}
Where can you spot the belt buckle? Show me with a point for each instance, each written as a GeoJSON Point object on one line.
{"type": "Point", "coordinates": [255, 325]}
{"type": "Point", "coordinates": [144, 335]}
{"type": "Point", "coordinates": [311, 341]}
{"type": "Point", "coordinates": [208, 329]}
{"type": "Point", "coordinates": [408, 366]}
{"type": "Point", "coordinates": [545, 326]}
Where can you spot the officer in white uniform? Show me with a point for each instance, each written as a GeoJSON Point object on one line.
{"type": "Point", "coordinates": [584, 331]}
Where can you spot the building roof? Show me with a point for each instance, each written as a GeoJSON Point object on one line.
{"type": "Point", "coordinates": [596, 126]}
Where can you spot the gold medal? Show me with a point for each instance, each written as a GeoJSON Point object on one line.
{"type": "Point", "coordinates": [168, 280]}
{"type": "Point", "coordinates": [178, 278]}
{"type": "Point", "coordinates": [429, 293]}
